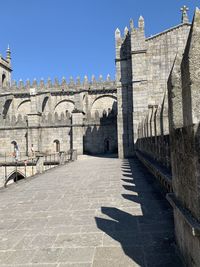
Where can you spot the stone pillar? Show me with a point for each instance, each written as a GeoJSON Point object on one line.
{"type": "Point", "coordinates": [124, 94]}
{"type": "Point", "coordinates": [139, 75]}
{"type": "Point", "coordinates": [40, 164]}
{"type": "Point", "coordinates": [184, 118]}
{"type": "Point", "coordinates": [33, 125]}
{"type": "Point", "coordinates": [34, 131]}
{"type": "Point", "coordinates": [77, 131]}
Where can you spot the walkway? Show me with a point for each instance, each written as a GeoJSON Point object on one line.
{"type": "Point", "coordinates": [98, 212]}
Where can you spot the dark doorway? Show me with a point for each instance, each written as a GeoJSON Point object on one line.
{"type": "Point", "coordinates": [106, 146]}
{"type": "Point", "coordinates": [3, 80]}
{"type": "Point", "coordinates": [15, 176]}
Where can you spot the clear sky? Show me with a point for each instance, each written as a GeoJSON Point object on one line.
{"type": "Point", "coordinates": [56, 38]}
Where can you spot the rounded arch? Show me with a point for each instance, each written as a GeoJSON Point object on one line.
{"type": "Point", "coordinates": [57, 145]}
{"type": "Point", "coordinates": [15, 176]}
{"type": "Point", "coordinates": [3, 80]}
{"type": "Point", "coordinates": [44, 103]}
{"type": "Point", "coordinates": [102, 104]}
{"type": "Point", "coordinates": [105, 96]}
{"type": "Point", "coordinates": [63, 106]}
{"type": "Point", "coordinates": [24, 107]}
{"type": "Point", "coordinates": [6, 107]}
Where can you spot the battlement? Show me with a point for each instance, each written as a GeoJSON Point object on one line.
{"type": "Point", "coordinates": [49, 119]}
{"type": "Point", "coordinates": [71, 85]}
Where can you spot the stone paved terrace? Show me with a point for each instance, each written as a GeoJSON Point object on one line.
{"type": "Point", "coordinates": [93, 212]}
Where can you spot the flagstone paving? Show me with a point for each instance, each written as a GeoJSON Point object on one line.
{"type": "Point", "coordinates": [97, 212]}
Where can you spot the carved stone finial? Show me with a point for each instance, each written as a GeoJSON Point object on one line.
{"type": "Point", "coordinates": [131, 24]}
{"type": "Point", "coordinates": [28, 83]}
{"type": "Point", "coordinates": [93, 79]}
{"type": "Point", "coordinates": [42, 85]}
{"type": "Point", "coordinates": [71, 80]}
{"type": "Point", "coordinates": [8, 54]}
{"type": "Point", "coordinates": [78, 80]}
{"type": "Point", "coordinates": [64, 82]}
{"type": "Point", "coordinates": [117, 34]}
{"type": "Point", "coordinates": [21, 84]}
{"type": "Point", "coordinates": [49, 83]}
{"type": "Point", "coordinates": [141, 23]}
{"type": "Point", "coordinates": [34, 84]}
{"type": "Point", "coordinates": [125, 31]}
{"type": "Point", "coordinates": [108, 78]}
{"type": "Point", "coordinates": [184, 18]}
{"type": "Point", "coordinates": [85, 79]}
{"type": "Point", "coordinates": [100, 78]}
{"type": "Point", "coordinates": [56, 82]}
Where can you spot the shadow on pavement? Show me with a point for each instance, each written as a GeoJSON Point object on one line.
{"type": "Point", "coordinates": [146, 233]}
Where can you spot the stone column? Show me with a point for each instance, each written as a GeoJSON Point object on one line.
{"type": "Point", "coordinates": [124, 94]}
{"type": "Point", "coordinates": [40, 164]}
{"type": "Point", "coordinates": [138, 75]}
{"type": "Point", "coordinates": [77, 131]}
{"type": "Point", "coordinates": [33, 126]}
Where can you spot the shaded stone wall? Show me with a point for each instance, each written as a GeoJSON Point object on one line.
{"type": "Point", "coordinates": [184, 118]}
{"type": "Point", "coordinates": [153, 134]}
{"type": "Point", "coordinates": [101, 137]}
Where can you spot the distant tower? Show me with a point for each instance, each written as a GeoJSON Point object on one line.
{"type": "Point", "coordinates": [184, 18]}
{"type": "Point", "coordinates": [5, 69]}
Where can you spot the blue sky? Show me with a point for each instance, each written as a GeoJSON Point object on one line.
{"type": "Point", "coordinates": [56, 38]}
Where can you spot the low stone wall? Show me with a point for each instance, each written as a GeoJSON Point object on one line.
{"type": "Point", "coordinates": [187, 232]}
{"type": "Point", "coordinates": [163, 175]}
{"type": "Point", "coordinates": [13, 171]}
{"type": "Point", "coordinates": [157, 147]}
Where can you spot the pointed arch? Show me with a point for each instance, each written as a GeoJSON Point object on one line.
{"type": "Point", "coordinates": [24, 107]}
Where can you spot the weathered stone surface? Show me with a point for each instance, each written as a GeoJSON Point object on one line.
{"type": "Point", "coordinates": [78, 215]}
{"type": "Point", "coordinates": [143, 66]}
{"type": "Point", "coordinates": [185, 147]}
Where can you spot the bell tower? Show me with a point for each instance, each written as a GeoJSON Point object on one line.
{"type": "Point", "coordinates": [5, 69]}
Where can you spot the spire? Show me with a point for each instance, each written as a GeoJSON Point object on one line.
{"type": "Point", "coordinates": [184, 18]}
{"type": "Point", "coordinates": [8, 54]}
{"type": "Point", "coordinates": [131, 24]}
{"type": "Point", "coordinates": [125, 31]}
{"type": "Point", "coordinates": [117, 34]}
{"type": "Point", "coordinates": [141, 23]}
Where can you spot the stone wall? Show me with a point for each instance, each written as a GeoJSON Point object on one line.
{"type": "Point", "coordinates": [143, 66]}
{"type": "Point", "coordinates": [44, 114]}
{"type": "Point", "coordinates": [153, 134]}
{"type": "Point", "coordinates": [101, 138]}
{"type": "Point", "coordinates": [184, 118]}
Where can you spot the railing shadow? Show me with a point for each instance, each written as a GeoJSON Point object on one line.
{"type": "Point", "coordinates": [146, 233]}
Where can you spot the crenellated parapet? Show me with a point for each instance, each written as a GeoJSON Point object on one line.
{"type": "Point", "coordinates": [13, 121]}
{"type": "Point", "coordinates": [49, 119]}
{"type": "Point", "coordinates": [72, 85]}
{"type": "Point", "coordinates": [55, 119]}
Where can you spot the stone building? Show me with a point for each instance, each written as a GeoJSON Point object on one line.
{"type": "Point", "coordinates": [152, 109]}
{"type": "Point", "coordinates": [143, 66]}
{"type": "Point", "coordinates": [57, 117]}
{"type": "Point", "coordinates": [168, 133]}
{"type": "Point", "coordinates": [92, 116]}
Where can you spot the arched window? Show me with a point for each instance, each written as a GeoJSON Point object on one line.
{"type": "Point", "coordinates": [57, 143]}
{"type": "Point", "coordinates": [3, 81]}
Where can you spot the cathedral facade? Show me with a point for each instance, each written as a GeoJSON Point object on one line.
{"type": "Point", "coordinates": [97, 116]}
